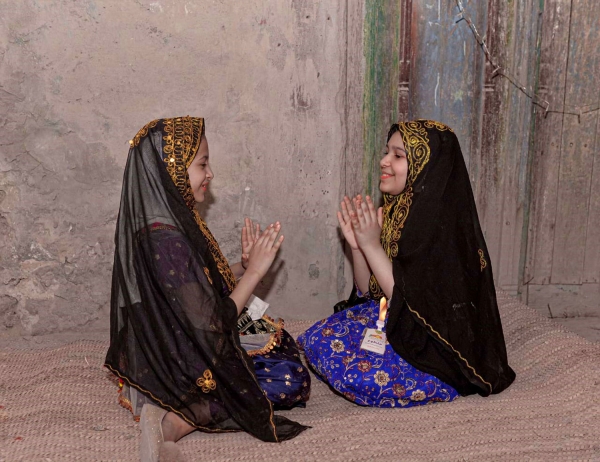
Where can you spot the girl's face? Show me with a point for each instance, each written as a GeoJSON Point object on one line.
{"type": "Point", "coordinates": [200, 172]}
{"type": "Point", "coordinates": [394, 167]}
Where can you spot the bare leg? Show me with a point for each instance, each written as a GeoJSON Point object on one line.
{"type": "Point", "coordinates": [174, 427]}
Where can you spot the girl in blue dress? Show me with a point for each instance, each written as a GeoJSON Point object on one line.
{"type": "Point", "coordinates": [424, 250]}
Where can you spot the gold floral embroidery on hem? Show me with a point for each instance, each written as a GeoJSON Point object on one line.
{"type": "Point", "coordinates": [164, 405]}
{"type": "Point", "coordinates": [206, 382]}
{"type": "Point", "coordinates": [482, 260]}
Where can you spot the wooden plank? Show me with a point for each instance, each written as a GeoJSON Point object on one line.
{"type": "Point", "coordinates": [404, 61]}
{"type": "Point", "coordinates": [577, 147]}
{"type": "Point", "coordinates": [487, 184]}
{"type": "Point", "coordinates": [447, 65]}
{"type": "Point", "coordinates": [521, 39]}
{"type": "Point", "coordinates": [591, 266]}
{"type": "Point", "coordinates": [380, 109]}
{"type": "Point", "coordinates": [565, 300]}
{"type": "Point", "coordinates": [555, 37]}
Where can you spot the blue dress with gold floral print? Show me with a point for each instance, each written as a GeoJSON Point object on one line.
{"type": "Point", "coordinates": [332, 347]}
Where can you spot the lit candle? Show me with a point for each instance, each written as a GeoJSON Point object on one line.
{"type": "Point", "coordinates": [382, 309]}
{"type": "Point", "coordinates": [382, 312]}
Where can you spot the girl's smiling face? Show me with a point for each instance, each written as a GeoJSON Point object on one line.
{"type": "Point", "coordinates": [394, 166]}
{"type": "Point", "coordinates": [200, 172]}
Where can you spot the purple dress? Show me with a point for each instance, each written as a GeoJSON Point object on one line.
{"type": "Point", "coordinates": [280, 372]}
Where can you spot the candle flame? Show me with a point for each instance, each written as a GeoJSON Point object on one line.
{"type": "Point", "coordinates": [382, 308]}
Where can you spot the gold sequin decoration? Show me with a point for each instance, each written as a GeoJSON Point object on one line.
{"type": "Point", "coordinates": [206, 382]}
{"type": "Point", "coordinates": [482, 260]}
{"type": "Point", "coordinates": [182, 137]}
{"type": "Point", "coordinates": [142, 132]}
{"type": "Point", "coordinates": [396, 208]}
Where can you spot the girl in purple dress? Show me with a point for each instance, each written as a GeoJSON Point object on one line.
{"type": "Point", "coordinates": [186, 353]}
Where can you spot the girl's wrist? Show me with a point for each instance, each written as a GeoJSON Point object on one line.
{"type": "Point", "coordinates": [369, 247]}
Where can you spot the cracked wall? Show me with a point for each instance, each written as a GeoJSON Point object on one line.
{"type": "Point", "coordinates": [79, 78]}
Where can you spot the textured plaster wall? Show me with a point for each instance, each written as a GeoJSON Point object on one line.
{"type": "Point", "coordinates": [79, 78]}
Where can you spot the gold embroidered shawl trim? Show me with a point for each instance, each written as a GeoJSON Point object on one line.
{"type": "Point", "coordinates": [182, 138]}
{"type": "Point", "coordinates": [396, 208]}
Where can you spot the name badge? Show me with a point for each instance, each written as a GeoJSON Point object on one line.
{"type": "Point", "coordinates": [374, 340]}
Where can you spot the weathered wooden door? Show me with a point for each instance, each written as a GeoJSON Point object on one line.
{"type": "Point", "coordinates": [563, 259]}
{"type": "Point", "coordinates": [535, 175]}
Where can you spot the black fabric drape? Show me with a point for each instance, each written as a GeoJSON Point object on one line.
{"type": "Point", "coordinates": [443, 315]}
{"type": "Point", "coordinates": [173, 327]}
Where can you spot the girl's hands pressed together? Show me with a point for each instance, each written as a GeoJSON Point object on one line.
{"type": "Point", "coordinates": [346, 223]}
{"type": "Point", "coordinates": [264, 250]}
{"type": "Point", "coordinates": [366, 223]}
{"type": "Point", "coordinates": [250, 234]}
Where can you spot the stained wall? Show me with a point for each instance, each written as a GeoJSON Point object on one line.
{"type": "Point", "coordinates": [78, 79]}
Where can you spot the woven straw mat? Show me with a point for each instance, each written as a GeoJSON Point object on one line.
{"type": "Point", "coordinates": [60, 405]}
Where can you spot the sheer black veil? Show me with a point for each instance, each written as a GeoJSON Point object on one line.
{"type": "Point", "coordinates": [173, 327]}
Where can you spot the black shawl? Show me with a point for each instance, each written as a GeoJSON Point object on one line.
{"type": "Point", "coordinates": [173, 327]}
{"type": "Point", "coordinates": [443, 315]}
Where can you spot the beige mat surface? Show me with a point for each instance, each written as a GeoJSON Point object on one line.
{"type": "Point", "coordinates": [59, 405]}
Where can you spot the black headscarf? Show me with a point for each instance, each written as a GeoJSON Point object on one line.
{"type": "Point", "coordinates": [443, 315]}
{"type": "Point", "coordinates": [173, 327]}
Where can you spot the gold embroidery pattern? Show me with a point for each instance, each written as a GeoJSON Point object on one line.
{"type": "Point", "coordinates": [166, 406]}
{"type": "Point", "coordinates": [447, 343]}
{"type": "Point", "coordinates": [207, 272]}
{"type": "Point", "coordinates": [206, 382]}
{"type": "Point", "coordinates": [143, 132]}
{"type": "Point", "coordinates": [440, 126]}
{"type": "Point", "coordinates": [396, 208]}
{"type": "Point", "coordinates": [482, 260]}
{"type": "Point", "coordinates": [215, 250]}
{"type": "Point", "coordinates": [182, 139]}
{"type": "Point", "coordinates": [273, 341]}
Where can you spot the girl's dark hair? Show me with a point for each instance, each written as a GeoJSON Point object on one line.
{"type": "Point", "coordinates": [393, 129]}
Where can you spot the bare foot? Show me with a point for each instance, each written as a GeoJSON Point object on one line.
{"type": "Point", "coordinates": [174, 427]}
